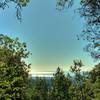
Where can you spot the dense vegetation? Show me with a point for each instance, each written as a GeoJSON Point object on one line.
{"type": "Point", "coordinates": [13, 69]}
{"type": "Point", "coordinates": [15, 82]}
{"type": "Point", "coordinates": [76, 85]}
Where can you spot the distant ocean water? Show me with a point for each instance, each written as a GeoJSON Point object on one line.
{"type": "Point", "coordinates": [45, 74]}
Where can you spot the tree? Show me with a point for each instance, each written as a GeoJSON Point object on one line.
{"type": "Point", "coordinates": [96, 88]}
{"type": "Point", "coordinates": [75, 88]}
{"type": "Point", "coordinates": [30, 88]}
{"type": "Point", "coordinates": [95, 80]}
{"type": "Point", "coordinates": [90, 11]}
{"type": "Point", "coordinates": [80, 88]}
{"type": "Point", "coordinates": [40, 91]}
{"type": "Point", "coordinates": [95, 73]}
{"type": "Point", "coordinates": [19, 4]}
{"type": "Point", "coordinates": [13, 69]}
{"type": "Point", "coordinates": [60, 86]}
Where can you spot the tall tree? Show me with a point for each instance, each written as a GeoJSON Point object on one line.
{"type": "Point", "coordinates": [80, 88]}
{"type": "Point", "coordinates": [40, 91]}
{"type": "Point", "coordinates": [95, 80]}
{"type": "Point", "coordinates": [90, 11]}
{"type": "Point", "coordinates": [13, 69]}
{"type": "Point", "coordinates": [96, 88]}
{"type": "Point", "coordinates": [60, 86]}
{"type": "Point", "coordinates": [95, 73]}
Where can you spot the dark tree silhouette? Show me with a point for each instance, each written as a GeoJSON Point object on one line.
{"type": "Point", "coordinates": [18, 4]}
{"type": "Point", "coordinates": [90, 11]}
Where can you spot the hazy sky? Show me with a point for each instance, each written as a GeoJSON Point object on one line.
{"type": "Point", "coordinates": [50, 35]}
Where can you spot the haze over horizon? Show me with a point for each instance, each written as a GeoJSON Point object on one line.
{"type": "Point", "coordinates": [49, 34]}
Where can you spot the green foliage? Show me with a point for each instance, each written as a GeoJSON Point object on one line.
{"type": "Point", "coordinates": [60, 86]}
{"type": "Point", "coordinates": [13, 69]}
{"type": "Point", "coordinates": [95, 73]}
{"type": "Point", "coordinates": [81, 89]}
{"type": "Point", "coordinates": [96, 89]}
{"type": "Point", "coordinates": [30, 89]}
{"type": "Point", "coordinates": [95, 79]}
{"type": "Point", "coordinates": [40, 91]}
{"type": "Point", "coordinates": [23, 2]}
{"type": "Point", "coordinates": [16, 85]}
{"type": "Point", "coordinates": [79, 86]}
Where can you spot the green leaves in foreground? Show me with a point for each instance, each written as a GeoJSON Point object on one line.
{"type": "Point", "coordinates": [13, 69]}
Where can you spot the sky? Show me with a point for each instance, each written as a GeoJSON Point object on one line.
{"type": "Point", "coordinates": [50, 35]}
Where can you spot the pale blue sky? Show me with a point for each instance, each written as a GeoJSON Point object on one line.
{"type": "Point", "coordinates": [49, 34]}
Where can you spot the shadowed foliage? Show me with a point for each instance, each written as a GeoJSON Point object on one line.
{"type": "Point", "coordinates": [60, 86]}
{"type": "Point", "coordinates": [90, 11]}
{"type": "Point", "coordinates": [18, 4]}
{"type": "Point", "coordinates": [13, 69]}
